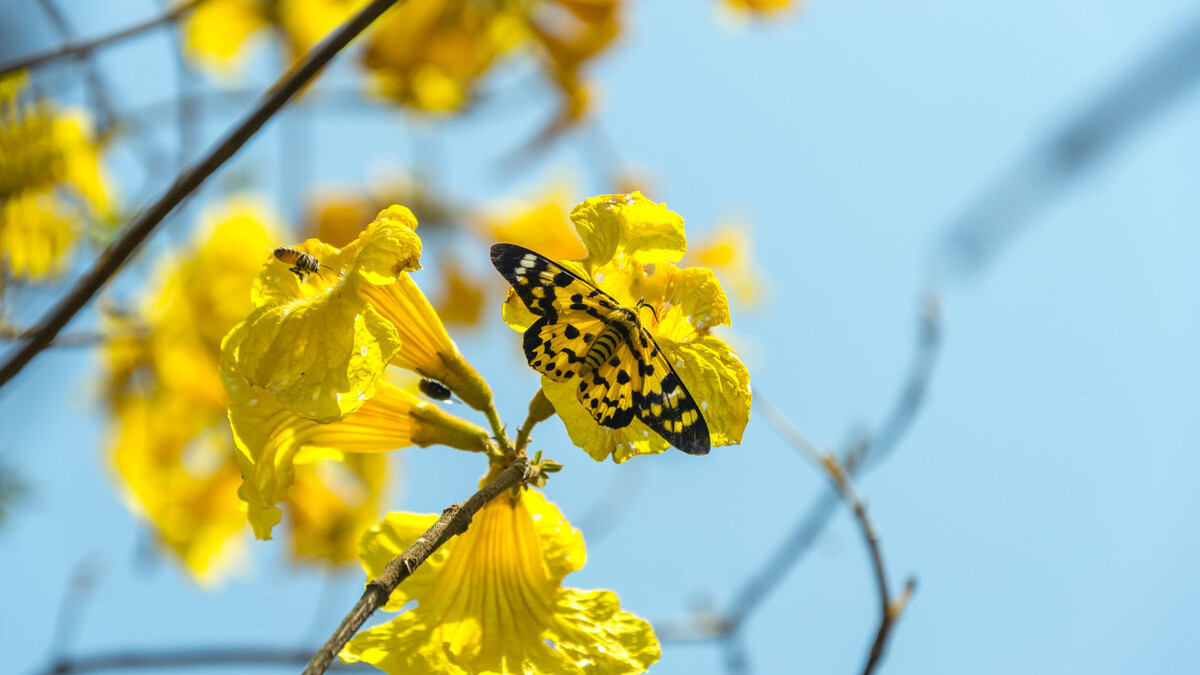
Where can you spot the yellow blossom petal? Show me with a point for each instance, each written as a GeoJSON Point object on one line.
{"type": "Point", "coordinates": [51, 183]}
{"type": "Point", "coordinates": [320, 354]}
{"type": "Point", "coordinates": [178, 473]}
{"type": "Point", "coordinates": [631, 241]}
{"type": "Point", "coordinates": [428, 349]}
{"type": "Point", "coordinates": [216, 31]}
{"type": "Point", "coordinates": [542, 225]}
{"type": "Point", "coordinates": [491, 601]}
{"type": "Point", "coordinates": [612, 226]}
{"type": "Point", "coordinates": [171, 444]}
{"type": "Point", "coordinates": [728, 251]}
{"type": "Point", "coordinates": [332, 503]}
{"type": "Point", "coordinates": [461, 300]}
{"type": "Point", "coordinates": [34, 238]}
{"type": "Point", "coordinates": [271, 439]}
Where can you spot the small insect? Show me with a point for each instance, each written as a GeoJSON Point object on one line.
{"type": "Point", "coordinates": [303, 264]}
{"type": "Point", "coordinates": [584, 333]}
{"type": "Point", "coordinates": [434, 389]}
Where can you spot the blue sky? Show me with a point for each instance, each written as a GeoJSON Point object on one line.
{"type": "Point", "coordinates": [1044, 498]}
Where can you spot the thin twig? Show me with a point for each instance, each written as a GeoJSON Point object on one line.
{"type": "Point", "coordinates": [132, 237]}
{"type": "Point", "coordinates": [85, 46]}
{"type": "Point", "coordinates": [454, 520]}
{"type": "Point", "coordinates": [498, 430]}
{"type": "Point", "coordinates": [188, 658]}
{"type": "Point", "coordinates": [839, 477]}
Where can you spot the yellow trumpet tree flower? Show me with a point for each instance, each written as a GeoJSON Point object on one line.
{"type": "Point", "coordinates": [50, 182]}
{"type": "Point", "coordinates": [632, 246]}
{"type": "Point", "coordinates": [491, 600]}
{"type": "Point", "coordinates": [171, 444]}
{"type": "Point", "coordinates": [303, 370]}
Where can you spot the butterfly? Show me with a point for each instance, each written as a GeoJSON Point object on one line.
{"type": "Point", "coordinates": [583, 333]}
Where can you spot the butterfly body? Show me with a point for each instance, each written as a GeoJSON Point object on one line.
{"type": "Point", "coordinates": [583, 333]}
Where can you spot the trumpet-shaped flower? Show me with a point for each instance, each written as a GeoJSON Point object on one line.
{"type": "Point", "coordinates": [171, 444]}
{"type": "Point", "coordinates": [50, 179]}
{"type": "Point", "coordinates": [272, 441]}
{"type": "Point", "coordinates": [491, 601]}
{"type": "Point", "coordinates": [319, 347]}
{"type": "Point", "coordinates": [632, 246]}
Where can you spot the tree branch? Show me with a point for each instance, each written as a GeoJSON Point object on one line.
{"type": "Point", "coordinates": [454, 520]}
{"type": "Point", "coordinates": [86, 46]}
{"type": "Point", "coordinates": [132, 237]}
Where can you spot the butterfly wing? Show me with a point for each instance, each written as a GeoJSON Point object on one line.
{"type": "Point", "coordinates": [636, 379]}
{"type": "Point", "coordinates": [665, 405]}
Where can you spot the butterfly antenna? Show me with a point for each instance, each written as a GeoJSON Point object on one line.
{"type": "Point", "coordinates": [642, 303]}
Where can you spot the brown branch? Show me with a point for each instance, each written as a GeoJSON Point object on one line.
{"type": "Point", "coordinates": [132, 237]}
{"type": "Point", "coordinates": [839, 477]}
{"type": "Point", "coordinates": [454, 520]}
{"type": "Point", "coordinates": [187, 658]}
{"type": "Point", "coordinates": [86, 46]}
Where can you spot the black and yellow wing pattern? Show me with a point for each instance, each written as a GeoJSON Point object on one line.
{"type": "Point", "coordinates": [583, 333]}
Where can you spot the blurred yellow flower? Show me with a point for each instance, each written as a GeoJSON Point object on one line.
{"type": "Point", "coordinates": [491, 600]}
{"type": "Point", "coordinates": [272, 441]}
{"type": "Point", "coordinates": [215, 33]}
{"type": "Point", "coordinates": [51, 183]}
{"type": "Point", "coordinates": [543, 225]}
{"type": "Point", "coordinates": [431, 54]}
{"type": "Point", "coordinates": [762, 8]}
{"type": "Point", "coordinates": [728, 251]}
{"type": "Point", "coordinates": [171, 443]}
{"type": "Point", "coordinates": [632, 245]}
{"type": "Point", "coordinates": [461, 301]}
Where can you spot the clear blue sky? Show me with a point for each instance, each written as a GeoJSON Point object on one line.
{"type": "Point", "coordinates": [1046, 497]}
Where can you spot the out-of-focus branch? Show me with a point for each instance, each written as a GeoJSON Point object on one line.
{"type": "Point", "coordinates": [86, 46]}
{"type": "Point", "coordinates": [454, 520]}
{"type": "Point", "coordinates": [839, 478]}
{"type": "Point", "coordinates": [998, 214]}
{"type": "Point", "coordinates": [132, 237]}
{"type": "Point", "coordinates": [189, 658]}
{"type": "Point", "coordinates": [865, 454]}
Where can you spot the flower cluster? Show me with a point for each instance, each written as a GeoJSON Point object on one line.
{"type": "Point", "coordinates": [632, 247]}
{"type": "Point", "coordinates": [303, 371]}
{"type": "Point", "coordinates": [171, 445]}
{"type": "Point", "coordinates": [50, 182]}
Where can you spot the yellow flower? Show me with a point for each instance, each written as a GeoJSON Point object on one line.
{"type": "Point", "coordinates": [542, 225]}
{"type": "Point", "coordinates": [728, 251]}
{"type": "Point", "coordinates": [461, 300]}
{"type": "Point", "coordinates": [171, 442]}
{"type": "Point", "coordinates": [431, 53]}
{"type": "Point", "coordinates": [632, 245]}
{"type": "Point", "coordinates": [491, 601]}
{"type": "Point", "coordinates": [272, 440]}
{"type": "Point", "coordinates": [319, 347]}
{"type": "Point", "coordinates": [332, 504]}
{"type": "Point", "coordinates": [216, 32]}
{"type": "Point", "coordinates": [761, 8]}
{"type": "Point", "coordinates": [50, 181]}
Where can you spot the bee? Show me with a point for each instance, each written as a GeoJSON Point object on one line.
{"type": "Point", "coordinates": [303, 264]}
{"type": "Point", "coordinates": [433, 389]}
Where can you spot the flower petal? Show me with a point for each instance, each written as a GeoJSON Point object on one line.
{"type": "Point", "coordinates": [612, 226]}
